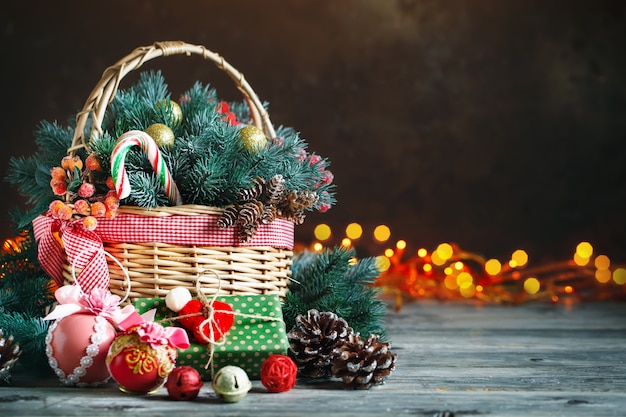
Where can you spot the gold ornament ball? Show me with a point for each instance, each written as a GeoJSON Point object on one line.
{"type": "Point", "coordinates": [173, 110]}
{"type": "Point", "coordinates": [162, 135]}
{"type": "Point", "coordinates": [252, 138]}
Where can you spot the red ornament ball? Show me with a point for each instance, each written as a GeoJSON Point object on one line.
{"type": "Point", "coordinates": [278, 373]}
{"type": "Point", "coordinates": [184, 383]}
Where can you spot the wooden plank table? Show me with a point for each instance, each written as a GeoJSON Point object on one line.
{"type": "Point", "coordinates": [454, 359]}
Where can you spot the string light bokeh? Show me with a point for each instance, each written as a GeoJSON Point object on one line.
{"type": "Point", "coordinates": [448, 272]}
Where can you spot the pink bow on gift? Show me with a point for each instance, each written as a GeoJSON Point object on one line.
{"type": "Point", "coordinates": [83, 249]}
{"type": "Point", "coordinates": [99, 302]}
{"type": "Point", "coordinates": [153, 333]}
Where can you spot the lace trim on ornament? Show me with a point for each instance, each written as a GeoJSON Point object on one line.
{"type": "Point", "coordinates": [86, 361]}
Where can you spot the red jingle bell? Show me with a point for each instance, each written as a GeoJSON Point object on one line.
{"type": "Point", "coordinates": [184, 383]}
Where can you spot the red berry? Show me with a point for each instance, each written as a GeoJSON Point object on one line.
{"type": "Point", "coordinates": [59, 188]}
{"type": "Point", "coordinates": [55, 206]}
{"type": "Point", "coordinates": [98, 209]}
{"type": "Point", "coordinates": [323, 208]}
{"type": "Point", "coordinates": [90, 223]}
{"type": "Point", "coordinates": [65, 212]}
{"type": "Point", "coordinates": [58, 173]}
{"type": "Point", "coordinates": [82, 207]}
{"type": "Point", "coordinates": [66, 162]}
{"type": "Point", "coordinates": [111, 202]}
{"type": "Point", "coordinates": [92, 163]}
{"type": "Point", "coordinates": [110, 183]}
{"type": "Point", "coordinates": [70, 162]}
{"type": "Point", "coordinates": [86, 190]}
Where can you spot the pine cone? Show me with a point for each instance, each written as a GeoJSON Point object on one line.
{"type": "Point", "coordinates": [274, 189]}
{"type": "Point", "coordinates": [228, 217]}
{"type": "Point", "coordinates": [313, 340]}
{"type": "Point", "coordinates": [253, 192]}
{"type": "Point", "coordinates": [9, 353]}
{"type": "Point", "coordinates": [363, 363]}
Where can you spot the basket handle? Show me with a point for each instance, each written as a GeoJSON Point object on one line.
{"type": "Point", "coordinates": [105, 90]}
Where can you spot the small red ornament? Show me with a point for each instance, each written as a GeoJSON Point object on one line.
{"type": "Point", "coordinates": [183, 383]}
{"type": "Point", "coordinates": [278, 373]}
{"type": "Point", "coordinates": [195, 312]}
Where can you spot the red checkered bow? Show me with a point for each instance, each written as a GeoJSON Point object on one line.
{"type": "Point", "coordinates": [83, 249]}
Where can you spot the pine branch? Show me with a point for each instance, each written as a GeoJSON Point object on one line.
{"type": "Point", "coordinates": [329, 281]}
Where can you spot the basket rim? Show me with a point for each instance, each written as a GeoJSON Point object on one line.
{"type": "Point", "coordinates": [103, 93]}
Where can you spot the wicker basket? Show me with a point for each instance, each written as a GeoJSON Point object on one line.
{"type": "Point", "coordinates": [156, 267]}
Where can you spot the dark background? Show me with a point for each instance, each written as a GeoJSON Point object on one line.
{"type": "Point", "coordinates": [494, 124]}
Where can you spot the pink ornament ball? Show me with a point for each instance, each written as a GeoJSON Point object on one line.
{"type": "Point", "coordinates": [77, 346]}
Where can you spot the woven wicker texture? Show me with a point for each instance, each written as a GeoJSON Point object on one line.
{"type": "Point", "coordinates": [155, 268]}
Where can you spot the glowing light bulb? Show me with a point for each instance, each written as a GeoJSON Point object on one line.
{"type": "Point", "coordinates": [602, 262]}
{"type": "Point", "coordinates": [427, 267]}
{"type": "Point", "coordinates": [322, 232]}
{"type": "Point", "coordinates": [435, 259]}
{"type": "Point", "coordinates": [354, 231]}
{"type": "Point", "coordinates": [520, 257]}
{"type": "Point", "coordinates": [382, 233]}
{"type": "Point", "coordinates": [619, 276]}
{"type": "Point", "coordinates": [389, 252]}
{"type": "Point", "coordinates": [584, 249]}
{"type": "Point", "coordinates": [464, 280]}
{"type": "Point", "coordinates": [532, 285]}
{"type": "Point", "coordinates": [346, 243]}
{"type": "Point", "coordinates": [493, 267]}
{"type": "Point", "coordinates": [421, 252]}
{"type": "Point", "coordinates": [317, 247]}
{"type": "Point", "coordinates": [467, 292]}
{"type": "Point", "coordinates": [383, 263]}
{"type": "Point", "coordinates": [401, 244]}
{"type": "Point", "coordinates": [444, 251]}
{"type": "Point", "coordinates": [579, 260]}
{"type": "Point", "coordinates": [603, 275]}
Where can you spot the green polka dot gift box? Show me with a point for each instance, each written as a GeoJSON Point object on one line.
{"type": "Point", "coordinates": [258, 331]}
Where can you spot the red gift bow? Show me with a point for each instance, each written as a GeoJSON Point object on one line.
{"type": "Point", "coordinates": [83, 248]}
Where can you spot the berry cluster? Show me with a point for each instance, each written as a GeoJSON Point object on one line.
{"type": "Point", "coordinates": [88, 193]}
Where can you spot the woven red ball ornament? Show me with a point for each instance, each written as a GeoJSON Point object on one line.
{"type": "Point", "coordinates": [278, 373]}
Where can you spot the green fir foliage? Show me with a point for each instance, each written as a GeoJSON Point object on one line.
{"type": "Point", "coordinates": [31, 175]}
{"type": "Point", "coordinates": [25, 296]}
{"type": "Point", "coordinates": [208, 162]}
{"type": "Point", "coordinates": [330, 281]}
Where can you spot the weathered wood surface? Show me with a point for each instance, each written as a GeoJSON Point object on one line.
{"type": "Point", "coordinates": [467, 360]}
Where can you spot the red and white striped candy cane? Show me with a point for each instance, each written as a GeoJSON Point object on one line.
{"type": "Point", "coordinates": [149, 146]}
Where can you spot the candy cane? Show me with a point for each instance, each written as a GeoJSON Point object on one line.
{"type": "Point", "coordinates": [149, 146]}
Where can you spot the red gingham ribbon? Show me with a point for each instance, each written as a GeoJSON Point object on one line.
{"type": "Point", "coordinates": [201, 230]}
{"type": "Point", "coordinates": [83, 249]}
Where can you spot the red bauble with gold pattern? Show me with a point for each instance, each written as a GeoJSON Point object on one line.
{"type": "Point", "coordinates": [138, 367]}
